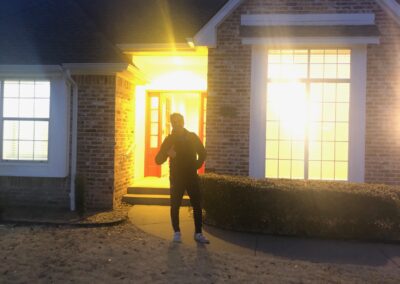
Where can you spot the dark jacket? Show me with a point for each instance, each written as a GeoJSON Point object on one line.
{"type": "Point", "coordinates": [190, 154]}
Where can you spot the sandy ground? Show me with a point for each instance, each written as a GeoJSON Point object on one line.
{"type": "Point", "coordinates": [124, 254]}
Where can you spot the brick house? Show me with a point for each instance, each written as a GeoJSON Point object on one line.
{"type": "Point", "coordinates": [278, 89]}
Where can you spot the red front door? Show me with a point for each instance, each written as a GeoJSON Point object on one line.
{"type": "Point", "coordinates": [153, 134]}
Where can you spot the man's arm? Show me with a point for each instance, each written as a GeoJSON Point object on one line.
{"type": "Point", "coordinates": [200, 150]}
{"type": "Point", "coordinates": [162, 155]}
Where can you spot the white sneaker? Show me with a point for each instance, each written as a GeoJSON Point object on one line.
{"type": "Point", "coordinates": [200, 238]}
{"type": "Point", "coordinates": [177, 237]}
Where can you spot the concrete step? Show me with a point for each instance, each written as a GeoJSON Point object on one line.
{"type": "Point", "coordinates": [152, 199]}
{"type": "Point", "coordinates": [148, 190]}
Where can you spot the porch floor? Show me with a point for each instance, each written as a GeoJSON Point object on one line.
{"type": "Point", "coordinates": [152, 182]}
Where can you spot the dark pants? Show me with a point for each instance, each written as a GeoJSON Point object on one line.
{"type": "Point", "coordinates": [178, 187]}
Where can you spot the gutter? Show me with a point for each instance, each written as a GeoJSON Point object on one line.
{"type": "Point", "coordinates": [74, 138]}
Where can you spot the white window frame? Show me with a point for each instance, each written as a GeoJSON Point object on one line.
{"type": "Point", "coordinates": [58, 132]}
{"type": "Point", "coordinates": [357, 109]}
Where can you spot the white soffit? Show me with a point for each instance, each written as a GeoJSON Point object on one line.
{"type": "Point", "coordinates": [307, 19]}
{"type": "Point", "coordinates": [320, 41]}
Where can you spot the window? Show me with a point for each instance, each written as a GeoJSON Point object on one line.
{"type": "Point", "coordinates": [307, 119]}
{"type": "Point", "coordinates": [25, 120]}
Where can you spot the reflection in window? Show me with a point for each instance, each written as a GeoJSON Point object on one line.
{"type": "Point", "coordinates": [25, 120]}
{"type": "Point", "coordinates": [307, 125]}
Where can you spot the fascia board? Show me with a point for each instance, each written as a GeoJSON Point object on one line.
{"type": "Point", "coordinates": [95, 68]}
{"type": "Point", "coordinates": [391, 7]}
{"type": "Point", "coordinates": [207, 36]}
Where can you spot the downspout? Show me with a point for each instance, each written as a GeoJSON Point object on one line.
{"type": "Point", "coordinates": [74, 138]}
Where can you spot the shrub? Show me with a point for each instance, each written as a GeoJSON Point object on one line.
{"type": "Point", "coordinates": [307, 208]}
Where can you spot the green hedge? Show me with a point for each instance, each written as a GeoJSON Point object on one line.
{"type": "Point", "coordinates": [306, 208]}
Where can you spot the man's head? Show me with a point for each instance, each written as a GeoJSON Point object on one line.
{"type": "Point", "coordinates": [177, 122]}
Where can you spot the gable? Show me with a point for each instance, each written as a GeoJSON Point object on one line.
{"type": "Point", "coordinates": [207, 35]}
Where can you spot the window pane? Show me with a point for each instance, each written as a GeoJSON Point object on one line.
{"type": "Point", "coordinates": [314, 151]}
{"type": "Point", "coordinates": [272, 149]}
{"type": "Point", "coordinates": [42, 89]}
{"type": "Point", "coordinates": [42, 108]}
{"type": "Point", "coordinates": [272, 110]}
{"type": "Point", "coordinates": [329, 92]}
{"type": "Point", "coordinates": [328, 131]}
{"type": "Point", "coordinates": [10, 150]}
{"type": "Point", "coordinates": [316, 92]}
{"type": "Point", "coordinates": [41, 130]}
{"type": "Point", "coordinates": [343, 92]}
{"type": "Point", "coordinates": [344, 71]}
{"type": "Point", "coordinates": [298, 169]}
{"type": "Point", "coordinates": [40, 151]}
{"type": "Point", "coordinates": [272, 130]}
{"type": "Point", "coordinates": [284, 169]}
{"type": "Point", "coordinates": [154, 129]}
{"type": "Point", "coordinates": [342, 112]}
{"type": "Point", "coordinates": [341, 171]}
{"type": "Point", "coordinates": [10, 108]}
{"type": "Point", "coordinates": [330, 71]}
{"type": "Point", "coordinates": [317, 56]}
{"type": "Point", "coordinates": [298, 150]}
{"type": "Point", "coordinates": [11, 89]}
{"type": "Point", "coordinates": [328, 151]}
{"type": "Point", "coordinates": [26, 107]}
{"type": "Point", "coordinates": [10, 131]}
{"type": "Point", "coordinates": [271, 169]}
{"type": "Point", "coordinates": [27, 89]}
{"type": "Point", "coordinates": [314, 170]}
{"type": "Point", "coordinates": [315, 131]}
{"type": "Point", "coordinates": [331, 56]}
{"type": "Point", "coordinates": [153, 141]}
{"type": "Point", "coordinates": [328, 170]}
{"type": "Point", "coordinates": [316, 111]}
{"type": "Point", "coordinates": [317, 71]}
{"type": "Point", "coordinates": [342, 132]}
{"type": "Point", "coordinates": [341, 151]}
{"type": "Point", "coordinates": [26, 130]}
{"type": "Point", "coordinates": [154, 102]}
{"type": "Point", "coordinates": [154, 116]}
{"type": "Point", "coordinates": [343, 56]}
{"type": "Point", "coordinates": [285, 150]}
{"type": "Point", "coordinates": [25, 150]}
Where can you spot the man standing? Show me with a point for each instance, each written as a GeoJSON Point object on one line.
{"type": "Point", "coordinates": [187, 155]}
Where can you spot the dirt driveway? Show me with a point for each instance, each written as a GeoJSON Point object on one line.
{"type": "Point", "coordinates": [125, 254]}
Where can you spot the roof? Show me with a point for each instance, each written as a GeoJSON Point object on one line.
{"type": "Point", "coordinates": [151, 21]}
{"type": "Point", "coordinates": [86, 31]}
{"type": "Point", "coordinates": [49, 32]}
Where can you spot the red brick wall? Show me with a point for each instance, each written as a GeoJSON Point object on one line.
{"type": "Point", "coordinates": [383, 104]}
{"type": "Point", "coordinates": [34, 191]}
{"type": "Point", "coordinates": [124, 137]}
{"type": "Point", "coordinates": [229, 71]}
{"type": "Point", "coordinates": [96, 132]}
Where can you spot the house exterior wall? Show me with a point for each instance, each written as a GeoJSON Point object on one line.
{"type": "Point", "coordinates": [229, 87]}
{"type": "Point", "coordinates": [34, 191]}
{"type": "Point", "coordinates": [96, 138]}
{"type": "Point", "coordinates": [124, 137]}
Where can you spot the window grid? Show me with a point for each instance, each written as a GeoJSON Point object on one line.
{"type": "Point", "coordinates": [20, 123]}
{"type": "Point", "coordinates": [339, 79]}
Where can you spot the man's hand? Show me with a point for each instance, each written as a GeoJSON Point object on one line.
{"type": "Point", "coordinates": [171, 152]}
